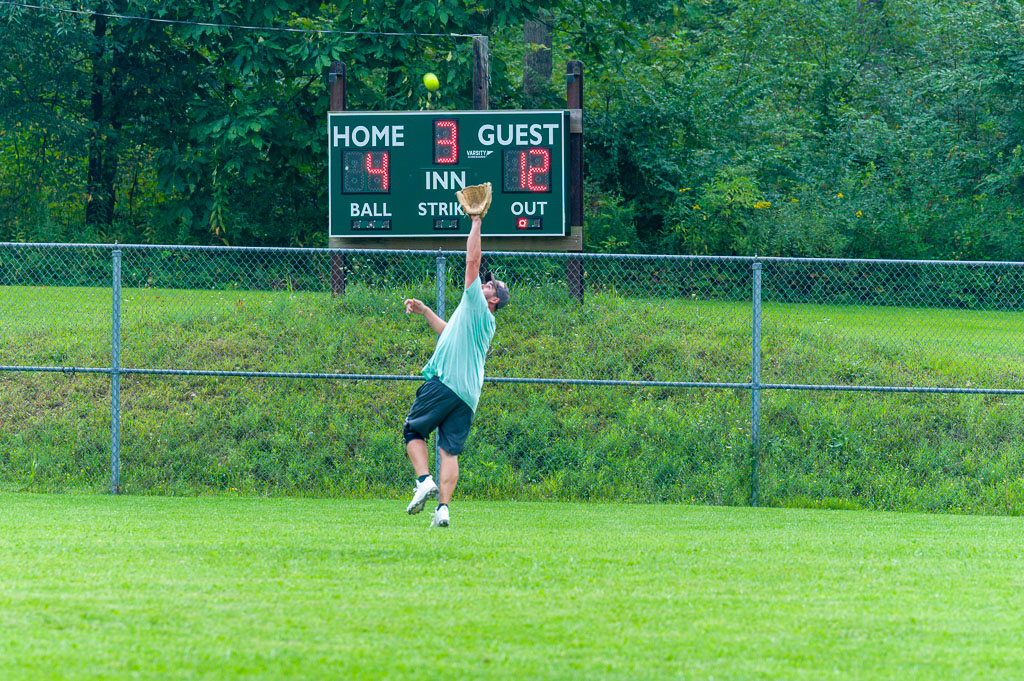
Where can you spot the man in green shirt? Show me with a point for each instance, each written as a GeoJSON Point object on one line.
{"type": "Point", "coordinates": [455, 376]}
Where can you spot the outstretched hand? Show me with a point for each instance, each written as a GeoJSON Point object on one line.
{"type": "Point", "coordinates": [414, 306]}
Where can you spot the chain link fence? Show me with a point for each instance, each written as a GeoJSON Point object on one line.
{"type": "Point", "coordinates": [188, 370]}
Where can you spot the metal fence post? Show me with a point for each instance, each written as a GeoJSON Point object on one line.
{"type": "Point", "coordinates": [755, 389]}
{"type": "Point", "coordinates": [115, 379]}
{"type": "Point", "coordinates": [439, 271]}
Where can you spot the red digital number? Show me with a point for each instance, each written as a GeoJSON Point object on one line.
{"type": "Point", "coordinates": [545, 156]}
{"type": "Point", "coordinates": [528, 169]}
{"type": "Point", "coordinates": [521, 223]}
{"type": "Point", "coordinates": [446, 142]}
{"type": "Point", "coordinates": [382, 171]}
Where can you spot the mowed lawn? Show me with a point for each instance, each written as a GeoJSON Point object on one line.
{"type": "Point", "coordinates": [101, 587]}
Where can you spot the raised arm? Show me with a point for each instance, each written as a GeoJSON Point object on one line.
{"type": "Point", "coordinates": [414, 306]}
{"type": "Point", "coordinates": [473, 255]}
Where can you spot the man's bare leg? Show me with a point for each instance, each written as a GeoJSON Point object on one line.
{"type": "Point", "coordinates": [449, 476]}
{"type": "Point", "coordinates": [417, 451]}
{"type": "Point", "coordinates": [425, 489]}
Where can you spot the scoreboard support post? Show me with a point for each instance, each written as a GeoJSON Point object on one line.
{"type": "Point", "coordinates": [481, 72]}
{"type": "Point", "coordinates": [481, 81]}
{"type": "Point", "coordinates": [337, 81]}
{"type": "Point", "coordinates": [574, 102]}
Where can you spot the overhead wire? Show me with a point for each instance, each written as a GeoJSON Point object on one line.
{"type": "Point", "coordinates": [206, 24]}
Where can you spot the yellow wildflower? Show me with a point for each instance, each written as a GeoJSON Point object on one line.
{"type": "Point", "coordinates": [839, 195]}
{"type": "Point", "coordinates": [859, 214]}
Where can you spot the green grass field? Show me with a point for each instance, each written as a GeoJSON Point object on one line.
{"type": "Point", "coordinates": [100, 587]}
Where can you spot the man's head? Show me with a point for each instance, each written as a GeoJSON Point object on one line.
{"type": "Point", "coordinates": [495, 291]}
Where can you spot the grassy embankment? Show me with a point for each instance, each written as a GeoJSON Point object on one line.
{"type": "Point", "coordinates": [187, 435]}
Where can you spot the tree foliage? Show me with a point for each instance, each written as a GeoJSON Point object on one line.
{"type": "Point", "coordinates": [198, 133]}
{"type": "Point", "coordinates": [868, 129]}
{"type": "Point", "coordinates": [864, 128]}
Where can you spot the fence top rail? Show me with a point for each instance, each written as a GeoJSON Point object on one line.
{"type": "Point", "coordinates": [368, 251]}
{"type": "Point", "coordinates": [523, 254]}
{"type": "Point", "coordinates": [883, 261]}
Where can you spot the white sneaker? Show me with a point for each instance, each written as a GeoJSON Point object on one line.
{"type": "Point", "coordinates": [424, 490]}
{"type": "Point", "coordinates": [440, 517]}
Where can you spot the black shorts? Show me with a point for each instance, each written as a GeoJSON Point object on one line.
{"type": "Point", "coordinates": [437, 406]}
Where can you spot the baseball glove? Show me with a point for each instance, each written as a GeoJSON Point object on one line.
{"type": "Point", "coordinates": [475, 199]}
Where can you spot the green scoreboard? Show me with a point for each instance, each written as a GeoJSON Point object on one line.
{"type": "Point", "coordinates": [395, 174]}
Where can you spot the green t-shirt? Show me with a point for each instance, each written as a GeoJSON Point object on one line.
{"type": "Point", "coordinates": [461, 351]}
